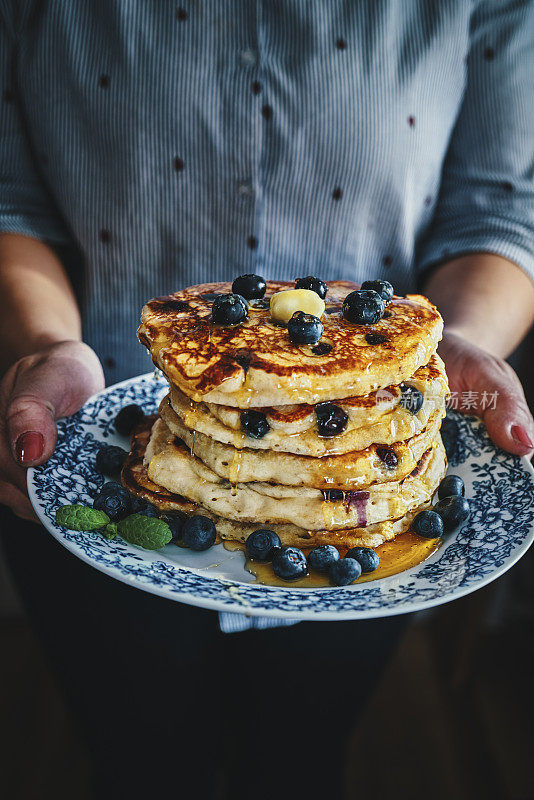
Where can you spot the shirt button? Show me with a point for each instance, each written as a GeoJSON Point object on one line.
{"type": "Point", "coordinates": [247, 58]}
{"type": "Point", "coordinates": [245, 189]}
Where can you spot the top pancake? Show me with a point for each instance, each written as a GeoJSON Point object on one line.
{"type": "Point", "coordinates": [255, 363]}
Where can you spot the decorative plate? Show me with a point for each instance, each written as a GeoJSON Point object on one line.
{"type": "Point", "coordinates": [501, 528]}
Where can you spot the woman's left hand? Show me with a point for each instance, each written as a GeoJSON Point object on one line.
{"type": "Point", "coordinates": [487, 386]}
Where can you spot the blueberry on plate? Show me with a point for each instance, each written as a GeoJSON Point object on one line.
{"type": "Point", "coordinates": [289, 563]}
{"type": "Point", "coordinates": [110, 459]}
{"type": "Point", "coordinates": [363, 307]}
{"type": "Point", "coordinates": [251, 287]}
{"type": "Point", "coordinates": [411, 398]}
{"type": "Point", "coordinates": [304, 328]}
{"type": "Point", "coordinates": [451, 485]}
{"type": "Point", "coordinates": [321, 558]}
{"type": "Point", "coordinates": [383, 288]}
{"type": "Point", "coordinates": [109, 487]}
{"type": "Point", "coordinates": [344, 571]}
{"type": "Point", "coordinates": [428, 524]}
{"type": "Point", "coordinates": [254, 424]}
{"type": "Point", "coordinates": [115, 502]}
{"type": "Point", "coordinates": [366, 558]}
{"type": "Point", "coordinates": [229, 309]}
{"type": "Point", "coordinates": [313, 284]}
{"type": "Point", "coordinates": [454, 511]}
{"type": "Point", "coordinates": [198, 533]}
{"type": "Point", "coordinates": [143, 507]}
{"type": "Point", "coordinates": [127, 418]}
{"type": "Point", "coordinates": [331, 419]}
{"type": "Point", "coordinates": [449, 434]}
{"type": "Point", "coordinates": [261, 544]}
{"type": "Point", "coordinates": [175, 521]}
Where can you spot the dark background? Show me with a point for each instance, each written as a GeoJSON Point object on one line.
{"type": "Point", "coordinates": [452, 716]}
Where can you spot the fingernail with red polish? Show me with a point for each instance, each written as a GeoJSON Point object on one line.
{"type": "Point", "coordinates": [521, 436]}
{"type": "Point", "coordinates": [29, 447]}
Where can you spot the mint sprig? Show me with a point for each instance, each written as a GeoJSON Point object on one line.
{"type": "Point", "coordinates": [110, 531]}
{"type": "Point", "coordinates": [81, 518]}
{"type": "Point", "coordinates": [148, 532]}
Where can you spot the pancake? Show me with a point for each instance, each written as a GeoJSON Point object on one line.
{"type": "Point", "coordinates": [136, 480]}
{"type": "Point", "coordinates": [396, 426]}
{"type": "Point", "coordinates": [255, 363]}
{"type": "Point", "coordinates": [378, 418]}
{"type": "Point", "coordinates": [430, 380]}
{"type": "Point", "coordinates": [175, 469]}
{"type": "Point", "coordinates": [357, 469]}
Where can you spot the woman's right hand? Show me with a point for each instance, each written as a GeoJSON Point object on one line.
{"type": "Point", "coordinates": [35, 392]}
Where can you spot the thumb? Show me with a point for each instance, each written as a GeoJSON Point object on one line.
{"type": "Point", "coordinates": [31, 426]}
{"type": "Point", "coordinates": [42, 391]}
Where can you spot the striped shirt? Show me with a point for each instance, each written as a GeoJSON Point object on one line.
{"type": "Point", "coordinates": [166, 145]}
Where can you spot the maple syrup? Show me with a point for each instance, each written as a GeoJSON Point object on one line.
{"type": "Point", "coordinates": [235, 466]}
{"type": "Point", "coordinates": [404, 551]}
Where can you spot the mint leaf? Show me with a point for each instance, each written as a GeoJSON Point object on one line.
{"type": "Point", "coordinates": [81, 518]}
{"type": "Point", "coordinates": [110, 531]}
{"type": "Point", "coordinates": [148, 532]}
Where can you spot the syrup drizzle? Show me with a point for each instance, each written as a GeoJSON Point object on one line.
{"type": "Point", "coordinates": [403, 552]}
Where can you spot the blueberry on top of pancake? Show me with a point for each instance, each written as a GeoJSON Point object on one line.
{"type": "Point", "coordinates": [203, 359]}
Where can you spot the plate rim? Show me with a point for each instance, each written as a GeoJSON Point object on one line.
{"type": "Point", "coordinates": [276, 613]}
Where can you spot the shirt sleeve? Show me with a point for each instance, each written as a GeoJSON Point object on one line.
{"type": "Point", "coordinates": [486, 199]}
{"type": "Point", "coordinates": [26, 207]}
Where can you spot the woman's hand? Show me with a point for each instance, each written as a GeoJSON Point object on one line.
{"type": "Point", "coordinates": [35, 392]}
{"type": "Point", "coordinates": [496, 393]}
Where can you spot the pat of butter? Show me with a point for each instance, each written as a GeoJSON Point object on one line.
{"type": "Point", "coordinates": [284, 304]}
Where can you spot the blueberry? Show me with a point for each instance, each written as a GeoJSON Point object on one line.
{"type": "Point", "coordinates": [335, 495]}
{"type": "Point", "coordinates": [254, 424]}
{"type": "Point", "coordinates": [110, 459]}
{"type": "Point", "coordinates": [321, 558]}
{"type": "Point", "coordinates": [251, 287]}
{"type": "Point", "coordinates": [322, 349]}
{"type": "Point", "coordinates": [175, 521]}
{"type": "Point", "coordinates": [289, 563]}
{"type": "Point", "coordinates": [411, 398]}
{"type": "Point", "coordinates": [366, 558]}
{"type": "Point", "coordinates": [331, 419]}
{"type": "Point", "coordinates": [454, 511]}
{"type": "Point", "coordinates": [198, 533]}
{"type": "Point", "coordinates": [344, 571]}
{"type": "Point", "coordinates": [108, 488]}
{"type": "Point", "coordinates": [115, 502]}
{"type": "Point", "coordinates": [127, 418]}
{"type": "Point", "coordinates": [428, 524]}
{"type": "Point", "coordinates": [383, 288]}
{"type": "Point", "coordinates": [451, 485]}
{"type": "Point", "coordinates": [375, 338]}
{"type": "Point", "coordinates": [229, 309]}
{"type": "Point", "coordinates": [261, 544]}
{"type": "Point", "coordinates": [449, 435]}
{"type": "Point", "coordinates": [143, 507]}
{"type": "Point", "coordinates": [387, 456]}
{"type": "Point", "coordinates": [363, 307]}
{"type": "Point", "coordinates": [313, 284]}
{"type": "Point", "coordinates": [304, 328]}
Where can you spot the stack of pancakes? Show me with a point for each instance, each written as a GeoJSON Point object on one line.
{"type": "Point", "coordinates": [361, 486]}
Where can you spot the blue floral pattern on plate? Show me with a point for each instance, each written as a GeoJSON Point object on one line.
{"type": "Point", "coordinates": [501, 528]}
